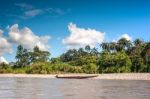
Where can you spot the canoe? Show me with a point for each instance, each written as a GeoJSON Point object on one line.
{"type": "Point", "coordinates": [76, 76]}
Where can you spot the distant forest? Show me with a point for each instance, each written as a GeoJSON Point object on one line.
{"type": "Point", "coordinates": [122, 56]}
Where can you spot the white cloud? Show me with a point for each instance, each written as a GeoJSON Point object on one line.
{"type": "Point", "coordinates": [58, 11]}
{"type": "Point", "coordinates": [5, 46]}
{"type": "Point", "coordinates": [3, 60]}
{"type": "Point", "coordinates": [80, 37]}
{"type": "Point", "coordinates": [32, 13]}
{"type": "Point", "coordinates": [24, 37]}
{"type": "Point", "coordinates": [24, 5]}
{"type": "Point", "coordinates": [27, 38]}
{"type": "Point", "coordinates": [126, 36]}
{"type": "Point", "coordinates": [28, 11]}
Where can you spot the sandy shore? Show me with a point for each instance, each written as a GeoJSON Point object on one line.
{"type": "Point", "coordinates": [125, 76]}
{"type": "Point", "coordinates": [119, 76]}
{"type": "Point", "coordinates": [29, 75]}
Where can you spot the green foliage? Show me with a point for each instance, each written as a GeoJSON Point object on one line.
{"type": "Point", "coordinates": [80, 57]}
{"type": "Point", "coordinates": [135, 54]}
{"type": "Point", "coordinates": [4, 68]}
{"type": "Point", "coordinates": [38, 55]}
{"type": "Point", "coordinates": [55, 60]}
{"type": "Point", "coordinates": [22, 57]}
{"type": "Point", "coordinates": [40, 68]}
{"type": "Point", "coordinates": [66, 68]}
{"type": "Point", "coordinates": [90, 68]}
{"type": "Point", "coordinates": [19, 71]}
{"type": "Point", "coordinates": [146, 56]}
{"type": "Point", "coordinates": [115, 57]}
{"type": "Point", "coordinates": [114, 62]}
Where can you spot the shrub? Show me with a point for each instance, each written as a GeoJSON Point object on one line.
{"type": "Point", "coordinates": [90, 68]}
{"type": "Point", "coordinates": [5, 68]}
{"type": "Point", "coordinates": [40, 68]}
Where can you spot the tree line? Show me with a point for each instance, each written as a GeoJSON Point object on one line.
{"type": "Point", "coordinates": [122, 56]}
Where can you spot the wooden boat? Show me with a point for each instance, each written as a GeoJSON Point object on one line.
{"type": "Point", "coordinates": [76, 76]}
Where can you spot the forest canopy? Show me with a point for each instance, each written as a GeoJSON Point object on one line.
{"type": "Point", "coordinates": [122, 56]}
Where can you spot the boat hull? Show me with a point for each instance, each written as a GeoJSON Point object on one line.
{"type": "Point", "coordinates": [75, 76]}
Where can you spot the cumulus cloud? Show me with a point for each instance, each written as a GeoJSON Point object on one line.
{"type": "Point", "coordinates": [5, 46]}
{"type": "Point", "coordinates": [80, 37]}
{"type": "Point", "coordinates": [27, 38]}
{"type": "Point", "coordinates": [126, 36]}
{"type": "Point", "coordinates": [3, 60]}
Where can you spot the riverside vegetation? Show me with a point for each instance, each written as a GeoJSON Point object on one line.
{"type": "Point", "coordinates": [122, 56]}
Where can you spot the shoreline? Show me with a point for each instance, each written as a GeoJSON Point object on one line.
{"type": "Point", "coordinates": [125, 76]}
{"type": "Point", "coordinates": [111, 76]}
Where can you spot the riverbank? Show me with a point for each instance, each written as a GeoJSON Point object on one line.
{"type": "Point", "coordinates": [114, 76]}
{"type": "Point", "coordinates": [125, 76]}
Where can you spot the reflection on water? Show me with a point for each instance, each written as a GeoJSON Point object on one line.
{"type": "Point", "coordinates": [39, 88]}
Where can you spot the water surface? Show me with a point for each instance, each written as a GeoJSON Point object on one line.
{"type": "Point", "coordinates": [47, 88]}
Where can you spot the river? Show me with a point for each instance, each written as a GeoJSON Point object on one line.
{"type": "Point", "coordinates": [53, 88]}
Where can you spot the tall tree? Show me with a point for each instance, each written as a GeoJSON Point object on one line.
{"type": "Point", "coordinates": [105, 46]}
{"type": "Point", "coordinates": [39, 55]}
{"type": "Point", "coordinates": [70, 55]}
{"type": "Point", "coordinates": [81, 52]}
{"type": "Point", "coordinates": [135, 55]}
{"type": "Point", "coordinates": [114, 62]}
{"type": "Point", "coordinates": [138, 42]}
{"type": "Point", "coordinates": [94, 52]}
{"type": "Point", "coordinates": [146, 55]}
{"type": "Point", "coordinates": [22, 56]}
{"type": "Point", "coordinates": [123, 44]}
{"type": "Point", "coordinates": [113, 46]}
{"type": "Point", "coordinates": [88, 48]}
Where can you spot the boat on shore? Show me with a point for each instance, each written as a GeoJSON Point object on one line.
{"type": "Point", "coordinates": [76, 76]}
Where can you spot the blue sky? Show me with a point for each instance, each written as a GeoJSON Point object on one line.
{"type": "Point", "coordinates": [103, 20]}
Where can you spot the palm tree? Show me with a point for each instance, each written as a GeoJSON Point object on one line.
{"type": "Point", "coordinates": [19, 53]}
{"type": "Point", "coordinates": [113, 46]}
{"type": "Point", "coordinates": [105, 46]}
{"type": "Point", "coordinates": [94, 52]}
{"type": "Point", "coordinates": [138, 42]}
{"type": "Point", "coordinates": [81, 52]}
{"type": "Point", "coordinates": [135, 54]}
{"type": "Point", "coordinates": [87, 48]}
{"type": "Point", "coordinates": [124, 44]}
{"type": "Point", "coordinates": [22, 56]}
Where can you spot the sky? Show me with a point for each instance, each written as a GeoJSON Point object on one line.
{"type": "Point", "coordinates": [57, 25]}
